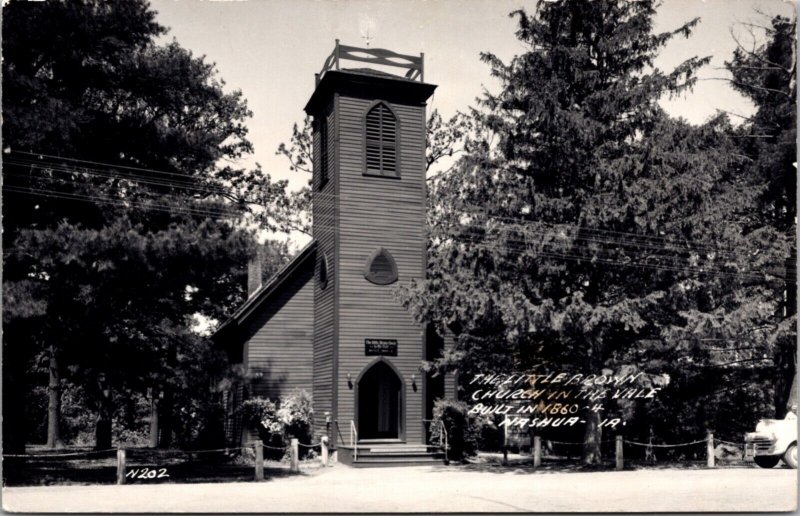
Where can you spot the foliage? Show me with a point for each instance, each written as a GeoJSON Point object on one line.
{"type": "Point", "coordinates": [583, 229]}
{"type": "Point", "coordinates": [463, 430]}
{"type": "Point", "coordinates": [197, 394]}
{"type": "Point", "coordinates": [765, 70]}
{"type": "Point", "coordinates": [277, 424]}
{"type": "Point", "coordinates": [492, 435]}
{"type": "Point", "coordinates": [121, 222]}
{"type": "Point", "coordinates": [261, 415]}
{"type": "Point", "coordinates": [130, 426]}
{"type": "Point", "coordinates": [445, 139]}
{"type": "Point", "coordinates": [297, 415]}
{"type": "Point", "coordinates": [36, 401]}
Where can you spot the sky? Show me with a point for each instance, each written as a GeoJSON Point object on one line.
{"type": "Point", "coordinates": [271, 49]}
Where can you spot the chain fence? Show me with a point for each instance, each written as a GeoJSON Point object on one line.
{"type": "Point", "coordinates": [558, 454]}
{"type": "Point", "coordinates": [151, 465]}
{"type": "Point", "coordinates": [257, 460]}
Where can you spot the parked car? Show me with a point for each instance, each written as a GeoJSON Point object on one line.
{"type": "Point", "coordinates": [773, 440]}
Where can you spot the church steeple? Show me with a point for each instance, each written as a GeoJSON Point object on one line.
{"type": "Point", "coordinates": [368, 221]}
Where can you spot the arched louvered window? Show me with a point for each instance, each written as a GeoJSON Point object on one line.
{"type": "Point", "coordinates": [381, 137]}
{"type": "Point", "coordinates": [381, 268]}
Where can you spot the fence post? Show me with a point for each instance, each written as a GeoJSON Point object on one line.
{"type": "Point", "coordinates": [620, 459]}
{"type": "Point", "coordinates": [295, 456]}
{"type": "Point", "coordinates": [259, 460]}
{"type": "Point", "coordinates": [324, 446]}
{"type": "Point", "coordinates": [505, 442]}
{"type": "Point", "coordinates": [710, 449]}
{"type": "Point", "coordinates": [537, 451]}
{"type": "Point", "coordinates": [120, 466]}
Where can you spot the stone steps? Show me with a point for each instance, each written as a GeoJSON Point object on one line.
{"type": "Point", "coordinates": [383, 454]}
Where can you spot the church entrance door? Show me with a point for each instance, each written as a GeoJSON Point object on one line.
{"type": "Point", "coordinates": [380, 403]}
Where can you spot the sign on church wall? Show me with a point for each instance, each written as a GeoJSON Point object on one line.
{"type": "Point", "coordinates": [380, 347]}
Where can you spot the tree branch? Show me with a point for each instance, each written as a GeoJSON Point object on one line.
{"type": "Point", "coordinates": [753, 52]}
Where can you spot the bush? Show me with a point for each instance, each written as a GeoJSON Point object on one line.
{"type": "Point", "coordinates": [277, 426]}
{"type": "Point", "coordinates": [463, 430]}
{"type": "Point", "coordinates": [297, 417]}
{"type": "Point", "coordinates": [261, 415]}
{"type": "Point", "coordinates": [491, 435]}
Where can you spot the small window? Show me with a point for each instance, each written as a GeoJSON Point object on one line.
{"type": "Point", "coordinates": [381, 268]}
{"type": "Point", "coordinates": [323, 151]}
{"type": "Point", "coordinates": [323, 272]}
{"type": "Point", "coordinates": [381, 138]}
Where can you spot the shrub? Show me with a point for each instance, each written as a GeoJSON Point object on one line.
{"type": "Point", "coordinates": [277, 426]}
{"type": "Point", "coordinates": [297, 417]}
{"type": "Point", "coordinates": [463, 430]}
{"type": "Point", "coordinates": [261, 415]}
{"type": "Point", "coordinates": [491, 434]}
{"type": "Point", "coordinates": [296, 414]}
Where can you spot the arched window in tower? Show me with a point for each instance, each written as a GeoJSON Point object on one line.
{"type": "Point", "coordinates": [381, 141]}
{"type": "Point", "coordinates": [381, 268]}
{"type": "Point", "coordinates": [323, 271]}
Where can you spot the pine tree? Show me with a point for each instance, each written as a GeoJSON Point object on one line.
{"type": "Point", "coordinates": [765, 71]}
{"type": "Point", "coordinates": [120, 223]}
{"type": "Point", "coordinates": [568, 235]}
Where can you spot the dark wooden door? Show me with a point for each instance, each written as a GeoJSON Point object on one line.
{"type": "Point", "coordinates": [379, 403]}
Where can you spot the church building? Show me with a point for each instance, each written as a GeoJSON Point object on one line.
{"type": "Point", "coordinates": [328, 322]}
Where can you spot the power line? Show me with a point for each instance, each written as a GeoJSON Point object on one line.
{"type": "Point", "coordinates": [622, 238]}
{"type": "Point", "coordinates": [528, 231]}
{"type": "Point", "coordinates": [586, 241]}
{"type": "Point", "coordinates": [651, 241]}
{"type": "Point", "coordinates": [183, 184]}
{"type": "Point", "coordinates": [74, 181]}
{"type": "Point", "coordinates": [573, 239]}
{"type": "Point", "coordinates": [591, 259]}
{"type": "Point", "coordinates": [547, 254]}
{"type": "Point", "coordinates": [524, 231]}
{"type": "Point", "coordinates": [585, 234]}
{"type": "Point", "coordinates": [105, 164]}
{"type": "Point", "coordinates": [512, 244]}
{"type": "Point", "coordinates": [125, 203]}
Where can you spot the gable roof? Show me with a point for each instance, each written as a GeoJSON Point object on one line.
{"type": "Point", "coordinates": [266, 291]}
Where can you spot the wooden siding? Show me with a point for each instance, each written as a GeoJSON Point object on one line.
{"type": "Point", "coordinates": [379, 212]}
{"type": "Point", "coordinates": [324, 324]}
{"type": "Point", "coordinates": [279, 338]}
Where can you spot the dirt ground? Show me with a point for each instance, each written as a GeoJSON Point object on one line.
{"type": "Point", "coordinates": [437, 488]}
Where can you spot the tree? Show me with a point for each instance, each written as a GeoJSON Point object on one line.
{"type": "Point", "coordinates": [765, 71]}
{"type": "Point", "coordinates": [120, 222]}
{"type": "Point", "coordinates": [584, 229]}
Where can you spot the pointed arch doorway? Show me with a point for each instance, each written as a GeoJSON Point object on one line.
{"type": "Point", "coordinates": [379, 403]}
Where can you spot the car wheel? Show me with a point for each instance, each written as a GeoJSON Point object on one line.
{"type": "Point", "coordinates": [790, 457]}
{"type": "Point", "coordinates": [767, 461]}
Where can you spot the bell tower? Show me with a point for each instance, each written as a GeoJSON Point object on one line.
{"type": "Point", "coordinates": [369, 225]}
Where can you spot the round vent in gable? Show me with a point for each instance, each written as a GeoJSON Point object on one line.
{"type": "Point", "coordinates": [381, 268]}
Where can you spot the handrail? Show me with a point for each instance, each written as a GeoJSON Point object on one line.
{"type": "Point", "coordinates": [339, 431]}
{"type": "Point", "coordinates": [415, 65]}
{"type": "Point", "coordinates": [443, 438]}
{"type": "Point", "coordinates": [354, 442]}
{"type": "Point", "coordinates": [446, 444]}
